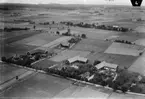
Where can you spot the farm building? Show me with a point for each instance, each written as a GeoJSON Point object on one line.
{"type": "Point", "coordinates": [107, 65]}
{"type": "Point", "coordinates": [77, 59]}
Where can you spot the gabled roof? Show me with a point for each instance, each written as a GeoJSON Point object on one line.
{"type": "Point", "coordinates": [105, 64]}
{"type": "Point", "coordinates": [77, 58]}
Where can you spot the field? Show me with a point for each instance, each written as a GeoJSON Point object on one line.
{"type": "Point", "coordinates": [39, 85]}
{"type": "Point", "coordinates": [37, 40]}
{"type": "Point", "coordinates": [140, 42]}
{"type": "Point", "coordinates": [138, 65]}
{"type": "Point", "coordinates": [44, 63]}
{"type": "Point", "coordinates": [94, 47]}
{"type": "Point", "coordinates": [45, 86]}
{"type": "Point", "coordinates": [125, 49]}
{"type": "Point", "coordinates": [8, 72]}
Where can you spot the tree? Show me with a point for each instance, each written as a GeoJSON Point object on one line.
{"type": "Point", "coordinates": [3, 59]}
{"type": "Point", "coordinates": [125, 88]}
{"type": "Point", "coordinates": [83, 35]}
{"type": "Point", "coordinates": [57, 32]}
{"type": "Point", "coordinates": [96, 62]}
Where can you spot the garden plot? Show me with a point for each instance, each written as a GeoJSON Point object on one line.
{"type": "Point", "coordinates": [125, 49]}
{"type": "Point", "coordinates": [140, 42]}
{"type": "Point", "coordinates": [8, 72]}
{"type": "Point", "coordinates": [69, 54]}
{"type": "Point", "coordinates": [38, 86]}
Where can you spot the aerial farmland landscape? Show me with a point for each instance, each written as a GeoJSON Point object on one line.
{"type": "Point", "coordinates": [78, 51]}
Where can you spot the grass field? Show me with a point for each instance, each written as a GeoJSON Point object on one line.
{"type": "Point", "coordinates": [8, 71]}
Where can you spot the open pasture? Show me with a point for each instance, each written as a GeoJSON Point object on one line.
{"type": "Point", "coordinates": [66, 54]}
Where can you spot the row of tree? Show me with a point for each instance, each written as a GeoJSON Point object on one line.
{"type": "Point", "coordinates": [7, 29]}
{"type": "Point", "coordinates": [93, 25]}
{"type": "Point", "coordinates": [124, 41]}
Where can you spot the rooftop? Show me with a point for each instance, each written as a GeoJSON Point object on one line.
{"type": "Point", "coordinates": [77, 58]}
{"type": "Point", "coordinates": [105, 64]}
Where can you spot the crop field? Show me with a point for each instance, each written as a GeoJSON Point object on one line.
{"type": "Point", "coordinates": [44, 63]}
{"type": "Point", "coordinates": [124, 49]}
{"type": "Point", "coordinates": [39, 85]}
{"type": "Point", "coordinates": [69, 54]}
{"type": "Point", "coordinates": [8, 71]}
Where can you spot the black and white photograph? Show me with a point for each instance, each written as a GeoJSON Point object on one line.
{"type": "Point", "coordinates": [72, 49]}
